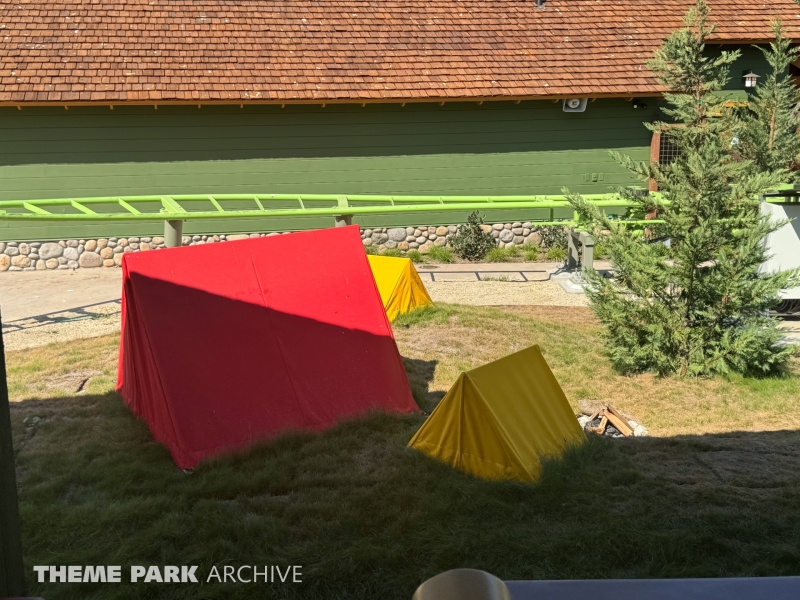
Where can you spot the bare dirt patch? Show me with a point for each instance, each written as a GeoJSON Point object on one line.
{"type": "Point", "coordinates": [74, 382]}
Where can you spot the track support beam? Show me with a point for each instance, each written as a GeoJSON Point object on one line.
{"type": "Point", "coordinates": [343, 220]}
{"type": "Point", "coordinates": [173, 233]}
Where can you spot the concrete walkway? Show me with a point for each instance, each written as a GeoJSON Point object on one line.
{"type": "Point", "coordinates": [27, 294]}
{"type": "Point", "coordinates": [42, 307]}
{"type": "Point", "coordinates": [46, 306]}
{"type": "Point", "coordinates": [534, 271]}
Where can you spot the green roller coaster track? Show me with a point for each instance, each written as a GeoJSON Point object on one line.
{"type": "Point", "coordinates": [175, 209]}
{"type": "Point", "coordinates": [180, 207]}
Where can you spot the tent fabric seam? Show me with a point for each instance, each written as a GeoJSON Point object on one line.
{"type": "Point", "coordinates": [396, 285]}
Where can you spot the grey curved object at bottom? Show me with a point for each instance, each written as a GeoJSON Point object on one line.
{"type": "Point", "coordinates": [463, 584]}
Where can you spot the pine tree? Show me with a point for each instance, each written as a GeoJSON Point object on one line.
{"type": "Point", "coordinates": [699, 306]}
{"type": "Point", "coordinates": [767, 127]}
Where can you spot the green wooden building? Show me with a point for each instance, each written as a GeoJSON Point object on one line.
{"type": "Point", "coordinates": [443, 97]}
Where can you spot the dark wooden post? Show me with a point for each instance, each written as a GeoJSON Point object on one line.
{"type": "Point", "coordinates": [655, 156]}
{"type": "Point", "coordinates": [12, 569]}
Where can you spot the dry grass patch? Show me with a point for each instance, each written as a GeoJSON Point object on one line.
{"type": "Point", "coordinates": [461, 337]}
{"type": "Point", "coordinates": [440, 343]}
{"type": "Point", "coordinates": [563, 315]}
{"type": "Point", "coordinates": [63, 369]}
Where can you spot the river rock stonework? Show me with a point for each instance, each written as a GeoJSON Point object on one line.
{"type": "Point", "coordinates": [107, 252]}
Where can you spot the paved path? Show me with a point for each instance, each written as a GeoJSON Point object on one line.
{"type": "Point", "coordinates": [496, 271]}
{"type": "Point", "coordinates": [30, 293]}
{"type": "Point", "coordinates": [791, 328]}
{"type": "Point", "coordinates": [487, 272]}
{"type": "Point", "coordinates": [57, 306]}
{"type": "Point", "coordinates": [46, 306]}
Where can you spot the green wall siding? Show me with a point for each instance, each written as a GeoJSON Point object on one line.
{"type": "Point", "coordinates": [458, 148]}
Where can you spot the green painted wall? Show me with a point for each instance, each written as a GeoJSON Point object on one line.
{"type": "Point", "coordinates": [459, 148]}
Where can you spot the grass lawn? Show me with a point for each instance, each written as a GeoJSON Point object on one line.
{"type": "Point", "coordinates": [715, 492]}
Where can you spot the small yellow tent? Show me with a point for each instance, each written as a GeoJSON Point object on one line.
{"type": "Point", "coordinates": [399, 285]}
{"type": "Point", "coordinates": [498, 420]}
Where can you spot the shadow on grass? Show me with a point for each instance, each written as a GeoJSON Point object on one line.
{"type": "Point", "coordinates": [420, 375]}
{"type": "Point", "coordinates": [368, 518]}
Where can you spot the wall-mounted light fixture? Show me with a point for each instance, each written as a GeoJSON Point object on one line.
{"type": "Point", "coordinates": [638, 103]}
{"type": "Point", "coordinates": [750, 79]}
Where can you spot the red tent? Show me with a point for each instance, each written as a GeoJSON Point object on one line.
{"type": "Point", "coordinates": [224, 344]}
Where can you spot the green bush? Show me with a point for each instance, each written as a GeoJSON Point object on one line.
{"type": "Point", "coordinates": [415, 256]}
{"type": "Point", "coordinates": [502, 254]}
{"type": "Point", "coordinates": [531, 253]}
{"type": "Point", "coordinates": [471, 242]}
{"type": "Point", "coordinates": [441, 254]}
{"type": "Point", "coordinates": [553, 236]}
{"type": "Point", "coordinates": [371, 249]}
{"type": "Point", "coordinates": [556, 254]}
{"type": "Point", "coordinates": [393, 252]}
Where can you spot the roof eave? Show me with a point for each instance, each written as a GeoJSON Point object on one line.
{"type": "Point", "coordinates": [325, 101]}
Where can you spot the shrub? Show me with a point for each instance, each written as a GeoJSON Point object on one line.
{"type": "Point", "coordinates": [497, 255]}
{"type": "Point", "coordinates": [393, 252]}
{"type": "Point", "coordinates": [531, 253]}
{"type": "Point", "coordinates": [441, 254]}
{"type": "Point", "coordinates": [557, 254]}
{"type": "Point", "coordinates": [415, 256]}
{"type": "Point", "coordinates": [371, 249]}
{"type": "Point", "coordinates": [471, 242]}
{"type": "Point", "coordinates": [502, 254]}
{"type": "Point", "coordinates": [553, 236]}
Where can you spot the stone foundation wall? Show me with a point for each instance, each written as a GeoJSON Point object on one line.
{"type": "Point", "coordinates": [424, 238]}
{"type": "Point", "coordinates": [107, 252]}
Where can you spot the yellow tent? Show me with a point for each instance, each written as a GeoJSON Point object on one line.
{"type": "Point", "coordinates": [399, 285]}
{"type": "Point", "coordinates": [498, 420]}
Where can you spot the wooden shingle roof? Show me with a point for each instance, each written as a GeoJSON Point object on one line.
{"type": "Point", "coordinates": [113, 51]}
